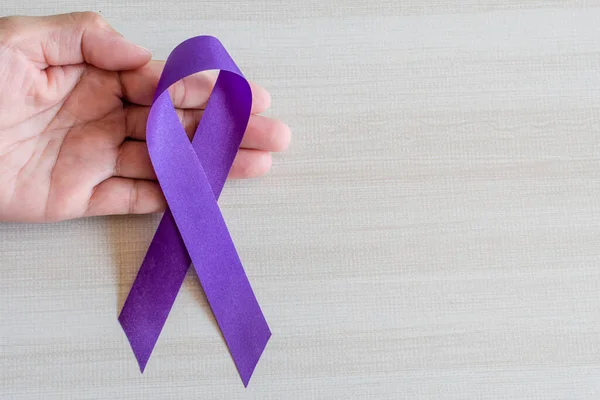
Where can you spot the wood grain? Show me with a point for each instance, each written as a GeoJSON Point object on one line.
{"type": "Point", "coordinates": [432, 233]}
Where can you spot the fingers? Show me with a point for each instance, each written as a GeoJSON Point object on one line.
{"type": "Point", "coordinates": [75, 38]}
{"type": "Point", "coordinates": [250, 164]}
{"type": "Point", "coordinates": [262, 133]}
{"type": "Point", "coordinates": [126, 196]}
{"type": "Point", "coordinates": [137, 119]}
{"type": "Point", "coordinates": [267, 134]}
{"type": "Point", "coordinates": [119, 195]}
{"type": "Point", "coordinates": [191, 92]}
{"type": "Point", "coordinates": [134, 162]}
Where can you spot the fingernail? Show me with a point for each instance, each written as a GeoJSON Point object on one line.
{"type": "Point", "coordinates": [144, 49]}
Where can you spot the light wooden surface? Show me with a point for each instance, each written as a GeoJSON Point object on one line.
{"type": "Point", "coordinates": [432, 233]}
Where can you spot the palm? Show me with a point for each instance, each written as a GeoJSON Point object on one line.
{"type": "Point", "coordinates": [72, 137]}
{"type": "Point", "coordinates": [89, 129]}
{"type": "Point", "coordinates": [55, 170]}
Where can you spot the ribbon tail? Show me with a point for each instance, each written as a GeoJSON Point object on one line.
{"type": "Point", "coordinates": [155, 289]}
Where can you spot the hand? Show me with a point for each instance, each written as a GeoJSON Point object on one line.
{"type": "Point", "coordinates": [74, 99]}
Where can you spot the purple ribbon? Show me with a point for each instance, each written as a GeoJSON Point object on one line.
{"type": "Point", "coordinates": [192, 175]}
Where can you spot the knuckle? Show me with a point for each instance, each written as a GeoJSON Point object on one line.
{"type": "Point", "coordinates": [90, 16]}
{"type": "Point", "coordinates": [133, 198]}
{"type": "Point", "coordinates": [119, 160]}
{"type": "Point", "coordinates": [89, 19]}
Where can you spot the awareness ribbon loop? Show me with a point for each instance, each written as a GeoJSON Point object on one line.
{"type": "Point", "coordinates": [192, 175]}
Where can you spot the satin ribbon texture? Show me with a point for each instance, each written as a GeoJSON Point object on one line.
{"type": "Point", "coordinates": [192, 230]}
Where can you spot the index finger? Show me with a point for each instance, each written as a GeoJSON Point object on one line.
{"type": "Point", "coordinates": [138, 87]}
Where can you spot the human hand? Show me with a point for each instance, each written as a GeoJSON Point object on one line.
{"type": "Point", "coordinates": [74, 99]}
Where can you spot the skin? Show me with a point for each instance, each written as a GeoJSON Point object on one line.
{"type": "Point", "coordinates": [74, 99]}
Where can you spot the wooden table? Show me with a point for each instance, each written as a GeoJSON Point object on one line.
{"type": "Point", "coordinates": [433, 232]}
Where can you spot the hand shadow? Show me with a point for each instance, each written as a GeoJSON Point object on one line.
{"type": "Point", "coordinates": [130, 237]}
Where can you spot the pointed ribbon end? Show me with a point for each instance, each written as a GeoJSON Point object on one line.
{"type": "Point", "coordinates": [247, 362]}
{"type": "Point", "coordinates": [142, 346]}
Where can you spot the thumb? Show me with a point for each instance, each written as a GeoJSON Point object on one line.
{"type": "Point", "coordinates": [76, 38]}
